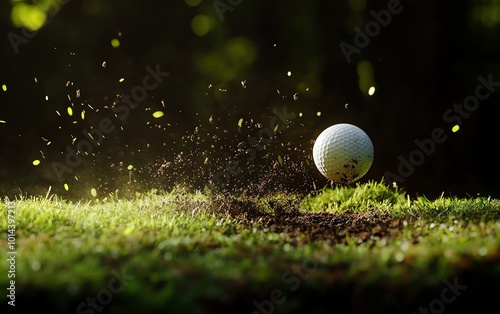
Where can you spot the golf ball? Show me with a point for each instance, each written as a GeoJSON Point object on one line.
{"type": "Point", "coordinates": [343, 153]}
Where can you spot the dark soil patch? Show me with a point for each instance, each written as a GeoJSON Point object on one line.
{"type": "Point", "coordinates": [333, 227]}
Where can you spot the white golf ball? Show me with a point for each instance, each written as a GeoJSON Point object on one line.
{"type": "Point", "coordinates": [343, 153]}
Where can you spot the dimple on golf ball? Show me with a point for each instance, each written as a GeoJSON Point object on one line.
{"type": "Point", "coordinates": [343, 153]}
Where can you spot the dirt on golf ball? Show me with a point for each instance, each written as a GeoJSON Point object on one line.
{"type": "Point", "coordinates": [343, 153]}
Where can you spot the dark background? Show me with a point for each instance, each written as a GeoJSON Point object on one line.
{"type": "Point", "coordinates": [424, 61]}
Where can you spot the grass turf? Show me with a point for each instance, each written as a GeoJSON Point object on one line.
{"type": "Point", "coordinates": [369, 248]}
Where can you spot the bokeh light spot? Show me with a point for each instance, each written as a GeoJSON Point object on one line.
{"type": "Point", "coordinates": [202, 24]}
{"type": "Point", "coordinates": [30, 16]}
{"type": "Point", "coordinates": [158, 114]}
{"type": "Point", "coordinates": [365, 75]}
{"type": "Point", "coordinates": [115, 43]}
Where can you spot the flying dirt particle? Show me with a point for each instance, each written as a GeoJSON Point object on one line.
{"type": "Point", "coordinates": [295, 96]}
{"type": "Point", "coordinates": [289, 73]}
{"type": "Point", "coordinates": [346, 106]}
{"type": "Point", "coordinates": [244, 84]}
{"type": "Point", "coordinates": [103, 64]}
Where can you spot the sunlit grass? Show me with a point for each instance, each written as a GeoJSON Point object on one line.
{"type": "Point", "coordinates": [188, 248]}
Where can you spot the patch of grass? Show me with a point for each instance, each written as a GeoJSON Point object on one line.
{"type": "Point", "coordinates": [362, 197]}
{"type": "Point", "coordinates": [377, 196]}
{"type": "Point", "coordinates": [369, 248]}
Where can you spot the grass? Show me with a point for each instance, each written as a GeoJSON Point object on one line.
{"type": "Point", "coordinates": [368, 248]}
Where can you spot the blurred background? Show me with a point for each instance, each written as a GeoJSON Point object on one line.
{"type": "Point", "coordinates": [232, 65]}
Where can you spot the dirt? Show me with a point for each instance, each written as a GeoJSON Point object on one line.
{"type": "Point", "coordinates": [332, 227]}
